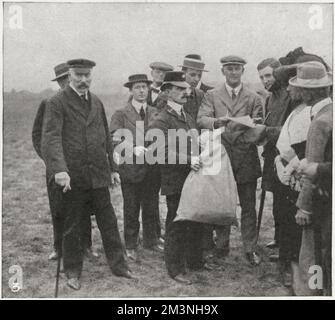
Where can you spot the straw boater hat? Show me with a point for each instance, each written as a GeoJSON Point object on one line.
{"type": "Point", "coordinates": [311, 74]}
{"type": "Point", "coordinates": [193, 61]}
{"type": "Point", "coordinates": [137, 78]}
{"type": "Point", "coordinates": [61, 71]}
{"type": "Point", "coordinates": [176, 78]}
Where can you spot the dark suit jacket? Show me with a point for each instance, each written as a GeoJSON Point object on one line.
{"type": "Point", "coordinates": [205, 88]}
{"type": "Point", "coordinates": [126, 118]}
{"type": "Point", "coordinates": [159, 101]}
{"type": "Point", "coordinates": [193, 102]}
{"type": "Point", "coordinates": [318, 149]}
{"type": "Point", "coordinates": [278, 106]}
{"type": "Point", "coordinates": [173, 175]}
{"type": "Point", "coordinates": [37, 128]}
{"type": "Point", "coordinates": [218, 103]}
{"type": "Point", "coordinates": [75, 142]}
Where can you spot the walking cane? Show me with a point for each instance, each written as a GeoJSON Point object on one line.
{"type": "Point", "coordinates": [260, 212]}
{"type": "Point", "coordinates": [59, 258]}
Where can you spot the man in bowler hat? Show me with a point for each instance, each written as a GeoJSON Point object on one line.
{"type": "Point", "coordinates": [140, 182]}
{"type": "Point", "coordinates": [77, 150]}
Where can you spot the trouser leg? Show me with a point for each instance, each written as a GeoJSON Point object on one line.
{"type": "Point", "coordinates": [326, 231]}
{"type": "Point", "coordinates": [247, 196]}
{"type": "Point", "coordinates": [276, 211]}
{"type": "Point", "coordinates": [193, 249]}
{"type": "Point", "coordinates": [107, 224]}
{"type": "Point", "coordinates": [131, 210]}
{"type": "Point", "coordinates": [175, 237]}
{"type": "Point", "coordinates": [222, 237]}
{"type": "Point", "coordinates": [86, 229]}
{"type": "Point", "coordinates": [172, 202]}
{"type": "Point", "coordinates": [157, 187]}
{"type": "Point", "coordinates": [149, 201]}
{"type": "Point", "coordinates": [74, 204]}
{"type": "Point", "coordinates": [207, 237]}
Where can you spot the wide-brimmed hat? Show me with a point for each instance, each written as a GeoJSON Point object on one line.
{"type": "Point", "coordinates": [161, 66]}
{"type": "Point", "coordinates": [232, 60]}
{"type": "Point", "coordinates": [176, 78]}
{"type": "Point", "coordinates": [193, 61]}
{"type": "Point", "coordinates": [311, 74]}
{"type": "Point", "coordinates": [137, 78]}
{"type": "Point", "coordinates": [61, 71]}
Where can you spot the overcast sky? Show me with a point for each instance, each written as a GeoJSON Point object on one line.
{"type": "Point", "coordinates": [123, 38]}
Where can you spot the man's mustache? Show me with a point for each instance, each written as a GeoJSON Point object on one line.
{"type": "Point", "coordinates": [83, 86]}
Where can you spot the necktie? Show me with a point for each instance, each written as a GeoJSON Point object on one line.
{"type": "Point", "coordinates": [233, 95]}
{"type": "Point", "coordinates": [83, 97]}
{"type": "Point", "coordinates": [182, 114]}
{"type": "Point", "coordinates": [142, 113]}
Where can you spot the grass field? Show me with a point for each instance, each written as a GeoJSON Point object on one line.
{"type": "Point", "coordinates": [27, 237]}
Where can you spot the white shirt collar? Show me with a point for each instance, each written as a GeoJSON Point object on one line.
{"type": "Point", "coordinates": [199, 85]}
{"type": "Point", "coordinates": [78, 93]}
{"type": "Point", "coordinates": [320, 105]}
{"type": "Point", "coordinates": [230, 89]}
{"type": "Point", "coordinates": [138, 105]}
{"type": "Point", "coordinates": [157, 88]}
{"type": "Point", "coordinates": [175, 106]}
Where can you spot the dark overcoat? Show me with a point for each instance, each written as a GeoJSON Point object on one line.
{"type": "Point", "coordinates": [277, 108]}
{"type": "Point", "coordinates": [173, 175]}
{"type": "Point", "coordinates": [76, 140]}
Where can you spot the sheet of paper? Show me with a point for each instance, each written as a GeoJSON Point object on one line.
{"type": "Point", "coordinates": [245, 120]}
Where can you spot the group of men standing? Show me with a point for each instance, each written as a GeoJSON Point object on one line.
{"type": "Point", "coordinates": [77, 146]}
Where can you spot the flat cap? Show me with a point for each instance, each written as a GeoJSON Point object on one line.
{"type": "Point", "coordinates": [232, 60]}
{"type": "Point", "coordinates": [81, 63]}
{"type": "Point", "coordinates": [161, 66]}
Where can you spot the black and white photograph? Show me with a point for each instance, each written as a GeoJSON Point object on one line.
{"type": "Point", "coordinates": [158, 149]}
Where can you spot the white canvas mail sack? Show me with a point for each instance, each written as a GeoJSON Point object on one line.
{"type": "Point", "coordinates": [210, 194]}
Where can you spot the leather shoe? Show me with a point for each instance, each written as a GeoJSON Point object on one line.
{"type": "Point", "coordinates": [253, 258]}
{"type": "Point", "coordinates": [74, 283]}
{"type": "Point", "coordinates": [272, 244]}
{"type": "Point", "coordinates": [274, 257]}
{"type": "Point", "coordinates": [131, 254]}
{"type": "Point", "coordinates": [126, 274]}
{"type": "Point", "coordinates": [53, 255]}
{"type": "Point", "coordinates": [286, 278]}
{"type": "Point", "coordinates": [182, 279]}
{"type": "Point", "coordinates": [157, 248]}
{"type": "Point", "coordinates": [90, 253]}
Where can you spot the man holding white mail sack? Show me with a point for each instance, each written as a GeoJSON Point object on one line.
{"type": "Point", "coordinates": [182, 238]}
{"type": "Point", "coordinates": [234, 99]}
